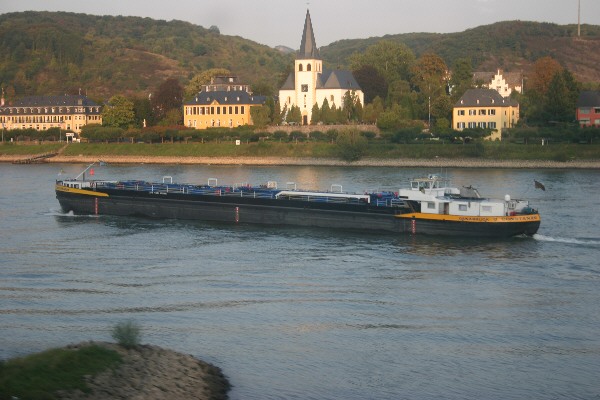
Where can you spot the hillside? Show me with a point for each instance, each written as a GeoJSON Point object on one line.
{"type": "Point", "coordinates": [511, 45]}
{"type": "Point", "coordinates": [59, 52]}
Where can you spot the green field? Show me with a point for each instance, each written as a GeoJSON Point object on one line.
{"type": "Point", "coordinates": [39, 376]}
{"type": "Point", "coordinates": [376, 150]}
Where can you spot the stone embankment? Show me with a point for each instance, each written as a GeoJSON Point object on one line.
{"type": "Point", "coordinates": [153, 373]}
{"type": "Point", "coordinates": [366, 162]}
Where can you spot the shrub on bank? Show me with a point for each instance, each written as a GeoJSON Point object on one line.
{"type": "Point", "coordinates": [127, 334]}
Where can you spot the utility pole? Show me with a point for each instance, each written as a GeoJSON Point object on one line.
{"type": "Point", "coordinates": [579, 18]}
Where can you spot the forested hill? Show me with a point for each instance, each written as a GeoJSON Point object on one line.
{"type": "Point", "coordinates": [512, 46]}
{"type": "Point", "coordinates": [59, 52]}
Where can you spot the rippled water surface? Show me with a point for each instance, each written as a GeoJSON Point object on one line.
{"type": "Point", "coordinates": [312, 313]}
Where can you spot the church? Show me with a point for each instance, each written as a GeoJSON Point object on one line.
{"type": "Point", "coordinates": [309, 83]}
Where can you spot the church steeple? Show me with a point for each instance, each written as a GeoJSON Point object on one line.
{"type": "Point", "coordinates": [308, 46]}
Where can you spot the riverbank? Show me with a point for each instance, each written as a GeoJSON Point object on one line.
{"type": "Point", "coordinates": [312, 161]}
{"type": "Point", "coordinates": [153, 373]}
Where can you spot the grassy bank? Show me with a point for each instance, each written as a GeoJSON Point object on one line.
{"type": "Point", "coordinates": [374, 150]}
{"type": "Point", "coordinates": [39, 376]}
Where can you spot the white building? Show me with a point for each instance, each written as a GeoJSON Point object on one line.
{"type": "Point", "coordinates": [309, 83]}
{"type": "Point", "coordinates": [502, 82]}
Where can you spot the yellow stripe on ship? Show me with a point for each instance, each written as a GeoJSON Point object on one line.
{"type": "Point", "coordinates": [66, 189]}
{"type": "Point", "coordinates": [475, 219]}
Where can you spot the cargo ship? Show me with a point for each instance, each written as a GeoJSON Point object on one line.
{"type": "Point", "coordinates": [428, 205]}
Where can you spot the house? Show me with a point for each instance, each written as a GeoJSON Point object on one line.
{"type": "Point", "coordinates": [588, 108]}
{"type": "Point", "coordinates": [225, 102]}
{"type": "Point", "coordinates": [486, 109]}
{"type": "Point", "coordinates": [309, 83]}
{"type": "Point", "coordinates": [503, 82]}
{"type": "Point", "coordinates": [68, 112]}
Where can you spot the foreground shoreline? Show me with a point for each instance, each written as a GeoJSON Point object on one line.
{"type": "Point", "coordinates": [309, 161]}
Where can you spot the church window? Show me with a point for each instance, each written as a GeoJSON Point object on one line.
{"type": "Point", "coordinates": [304, 88]}
{"type": "Point", "coordinates": [308, 67]}
{"type": "Point", "coordinates": [331, 99]}
{"type": "Point", "coordinates": [299, 67]}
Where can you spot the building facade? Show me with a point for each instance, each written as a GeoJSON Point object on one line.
{"type": "Point", "coordinates": [311, 84]}
{"type": "Point", "coordinates": [588, 108]}
{"type": "Point", "coordinates": [225, 102]}
{"type": "Point", "coordinates": [486, 109]}
{"type": "Point", "coordinates": [68, 112]}
{"type": "Point", "coordinates": [503, 82]}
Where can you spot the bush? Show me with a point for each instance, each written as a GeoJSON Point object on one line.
{"type": "Point", "coordinates": [351, 145]}
{"type": "Point", "coordinates": [127, 334]}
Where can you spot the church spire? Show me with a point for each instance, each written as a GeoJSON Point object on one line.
{"type": "Point", "coordinates": [308, 46]}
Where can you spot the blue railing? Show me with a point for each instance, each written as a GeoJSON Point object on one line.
{"type": "Point", "coordinates": [383, 199]}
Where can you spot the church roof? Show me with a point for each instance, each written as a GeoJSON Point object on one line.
{"type": "Point", "coordinates": [226, 97]}
{"type": "Point", "coordinates": [337, 79]}
{"type": "Point", "coordinates": [308, 46]}
{"type": "Point", "coordinates": [289, 82]}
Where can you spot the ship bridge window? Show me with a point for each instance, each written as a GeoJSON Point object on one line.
{"type": "Point", "coordinates": [462, 207]}
{"type": "Point", "coordinates": [431, 205]}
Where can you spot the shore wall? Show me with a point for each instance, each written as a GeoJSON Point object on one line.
{"type": "Point", "coordinates": [366, 162]}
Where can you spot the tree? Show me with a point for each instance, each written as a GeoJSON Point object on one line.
{"type": "Point", "coordinates": [195, 84]}
{"type": "Point", "coordinates": [352, 146]}
{"type": "Point", "coordinates": [168, 96]}
{"type": "Point", "coordinates": [430, 76]}
{"type": "Point", "coordinates": [371, 82]}
{"type": "Point", "coordinates": [118, 113]}
{"type": "Point", "coordinates": [462, 78]}
{"type": "Point", "coordinates": [315, 114]}
{"type": "Point", "coordinates": [350, 106]}
{"type": "Point", "coordinates": [392, 60]}
{"type": "Point", "coordinates": [544, 70]}
{"type": "Point", "coordinates": [260, 116]}
{"type": "Point", "coordinates": [561, 98]}
{"type": "Point", "coordinates": [142, 109]}
{"type": "Point", "coordinates": [294, 115]}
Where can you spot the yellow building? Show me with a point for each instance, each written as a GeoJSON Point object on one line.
{"type": "Point", "coordinates": [223, 103]}
{"type": "Point", "coordinates": [486, 109]}
{"type": "Point", "coordinates": [68, 112]}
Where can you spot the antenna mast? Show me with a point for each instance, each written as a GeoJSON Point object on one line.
{"type": "Point", "coordinates": [579, 18]}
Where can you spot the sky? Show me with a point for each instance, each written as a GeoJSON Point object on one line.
{"type": "Point", "coordinates": [280, 22]}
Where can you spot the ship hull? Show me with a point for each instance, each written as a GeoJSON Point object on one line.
{"type": "Point", "coordinates": [280, 212]}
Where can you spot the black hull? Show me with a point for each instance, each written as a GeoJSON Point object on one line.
{"type": "Point", "coordinates": [278, 212]}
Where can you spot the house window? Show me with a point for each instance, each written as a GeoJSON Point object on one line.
{"type": "Point", "coordinates": [482, 125]}
{"type": "Point", "coordinates": [472, 112]}
{"type": "Point", "coordinates": [461, 112]}
{"type": "Point", "coordinates": [304, 88]}
{"type": "Point", "coordinates": [460, 125]}
{"type": "Point", "coordinates": [492, 112]}
{"type": "Point", "coordinates": [596, 110]}
{"type": "Point", "coordinates": [299, 67]}
{"type": "Point", "coordinates": [492, 125]}
{"type": "Point", "coordinates": [482, 112]}
{"type": "Point", "coordinates": [472, 125]}
{"type": "Point", "coordinates": [308, 67]}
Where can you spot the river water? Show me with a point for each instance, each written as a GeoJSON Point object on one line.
{"type": "Point", "coordinates": [292, 313]}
